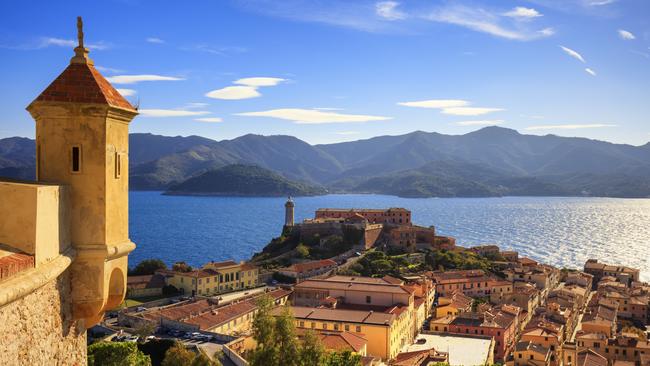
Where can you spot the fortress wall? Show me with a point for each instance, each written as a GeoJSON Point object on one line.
{"type": "Point", "coordinates": [38, 328]}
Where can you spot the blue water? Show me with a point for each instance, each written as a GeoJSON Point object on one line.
{"type": "Point", "coordinates": [559, 231]}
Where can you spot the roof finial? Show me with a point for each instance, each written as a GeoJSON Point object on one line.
{"type": "Point", "coordinates": [80, 32]}
{"type": "Point", "coordinates": [81, 52]}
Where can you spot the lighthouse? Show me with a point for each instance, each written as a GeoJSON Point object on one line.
{"type": "Point", "coordinates": [288, 212]}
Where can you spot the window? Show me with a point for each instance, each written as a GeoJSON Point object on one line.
{"type": "Point", "coordinates": [302, 324]}
{"type": "Point", "coordinates": [368, 299]}
{"type": "Point", "coordinates": [313, 325]}
{"type": "Point", "coordinates": [325, 326]}
{"type": "Point", "coordinates": [76, 159]}
{"type": "Point", "coordinates": [118, 165]}
{"type": "Point", "coordinates": [358, 329]}
{"type": "Point", "coordinates": [336, 326]}
{"type": "Point", "coordinates": [347, 327]}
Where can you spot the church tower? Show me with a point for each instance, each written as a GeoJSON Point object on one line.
{"type": "Point", "coordinates": [288, 212]}
{"type": "Point", "coordinates": [82, 141]}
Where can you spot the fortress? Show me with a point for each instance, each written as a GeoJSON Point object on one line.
{"type": "Point", "coordinates": [64, 239]}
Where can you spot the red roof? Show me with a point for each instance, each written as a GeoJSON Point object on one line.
{"type": "Point", "coordinates": [13, 263]}
{"type": "Point", "coordinates": [310, 266]}
{"type": "Point", "coordinates": [82, 83]}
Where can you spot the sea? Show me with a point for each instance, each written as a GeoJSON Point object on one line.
{"type": "Point", "coordinates": [562, 231]}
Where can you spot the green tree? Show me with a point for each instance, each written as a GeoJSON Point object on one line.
{"type": "Point", "coordinates": [203, 360]}
{"type": "Point", "coordinates": [116, 354]}
{"type": "Point", "coordinates": [178, 356]}
{"type": "Point", "coordinates": [181, 267]}
{"type": "Point", "coordinates": [312, 351]}
{"type": "Point", "coordinates": [345, 358]}
{"type": "Point", "coordinates": [265, 354]}
{"type": "Point", "coordinates": [302, 250]}
{"type": "Point", "coordinates": [147, 267]}
{"type": "Point", "coordinates": [285, 338]}
{"type": "Point", "coordinates": [144, 330]}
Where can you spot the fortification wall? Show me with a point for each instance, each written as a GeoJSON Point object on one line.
{"type": "Point", "coordinates": [38, 328]}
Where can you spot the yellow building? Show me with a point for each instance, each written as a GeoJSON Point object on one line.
{"type": "Point", "coordinates": [69, 231]}
{"type": "Point", "coordinates": [455, 304]}
{"type": "Point", "coordinates": [214, 278]}
{"type": "Point", "coordinates": [386, 333]}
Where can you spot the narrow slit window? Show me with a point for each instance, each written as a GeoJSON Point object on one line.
{"type": "Point", "coordinates": [76, 159]}
{"type": "Point", "coordinates": [38, 161]}
{"type": "Point", "coordinates": [118, 165]}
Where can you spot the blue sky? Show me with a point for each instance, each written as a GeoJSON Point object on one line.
{"type": "Point", "coordinates": [328, 71]}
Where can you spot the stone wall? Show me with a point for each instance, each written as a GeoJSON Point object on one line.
{"type": "Point", "coordinates": [38, 330]}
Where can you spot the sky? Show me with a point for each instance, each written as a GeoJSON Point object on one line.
{"type": "Point", "coordinates": [330, 71]}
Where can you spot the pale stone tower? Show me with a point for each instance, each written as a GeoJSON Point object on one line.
{"type": "Point", "coordinates": [288, 212]}
{"type": "Point", "coordinates": [82, 141]}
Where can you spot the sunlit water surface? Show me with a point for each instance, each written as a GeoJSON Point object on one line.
{"type": "Point", "coordinates": [560, 231]}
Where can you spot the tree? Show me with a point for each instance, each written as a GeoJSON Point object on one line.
{"type": "Point", "coordinates": [156, 349]}
{"type": "Point", "coordinates": [147, 267]}
{"type": "Point", "coordinates": [181, 267]}
{"type": "Point", "coordinates": [285, 338]}
{"type": "Point", "coordinates": [203, 360]}
{"type": "Point", "coordinates": [263, 331]}
{"type": "Point", "coordinates": [144, 330]}
{"type": "Point", "coordinates": [345, 358]}
{"type": "Point", "coordinates": [302, 250]}
{"type": "Point", "coordinates": [312, 351]}
{"type": "Point", "coordinates": [116, 354]}
{"type": "Point", "coordinates": [178, 355]}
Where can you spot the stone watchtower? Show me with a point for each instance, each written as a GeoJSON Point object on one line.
{"type": "Point", "coordinates": [288, 212]}
{"type": "Point", "coordinates": [82, 141]}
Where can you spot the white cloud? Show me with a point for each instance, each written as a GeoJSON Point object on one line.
{"type": "Point", "coordinates": [625, 35]}
{"type": "Point", "coordinates": [523, 13]}
{"type": "Point", "coordinates": [132, 79]}
{"type": "Point", "coordinates": [259, 81]}
{"type": "Point", "coordinates": [313, 116]}
{"type": "Point", "coordinates": [195, 105]}
{"type": "Point", "coordinates": [469, 111]}
{"type": "Point", "coordinates": [486, 21]}
{"type": "Point", "coordinates": [170, 113]}
{"type": "Point", "coordinates": [568, 127]}
{"type": "Point", "coordinates": [388, 10]}
{"type": "Point", "coordinates": [61, 42]}
{"type": "Point", "coordinates": [246, 88]}
{"type": "Point", "coordinates": [126, 92]}
{"type": "Point", "coordinates": [590, 71]}
{"type": "Point", "coordinates": [494, 122]}
{"type": "Point", "coordinates": [155, 40]}
{"type": "Point", "coordinates": [573, 53]}
{"type": "Point", "coordinates": [234, 93]}
{"type": "Point", "coordinates": [209, 119]}
{"type": "Point", "coordinates": [599, 2]}
{"type": "Point", "coordinates": [436, 103]}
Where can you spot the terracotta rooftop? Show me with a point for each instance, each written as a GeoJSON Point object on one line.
{"type": "Point", "coordinates": [590, 358]}
{"type": "Point", "coordinates": [146, 281]}
{"type": "Point", "coordinates": [353, 284]}
{"type": "Point", "coordinates": [82, 83]}
{"type": "Point", "coordinates": [337, 315]}
{"type": "Point", "coordinates": [342, 341]}
{"type": "Point", "coordinates": [12, 262]}
{"type": "Point", "coordinates": [310, 266]}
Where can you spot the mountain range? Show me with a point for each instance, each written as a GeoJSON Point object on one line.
{"type": "Point", "coordinates": [492, 161]}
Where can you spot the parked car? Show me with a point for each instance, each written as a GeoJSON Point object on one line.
{"type": "Point", "coordinates": [132, 338]}
{"type": "Point", "coordinates": [140, 309]}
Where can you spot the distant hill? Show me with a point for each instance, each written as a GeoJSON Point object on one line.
{"type": "Point", "coordinates": [243, 180]}
{"type": "Point", "coordinates": [490, 161]}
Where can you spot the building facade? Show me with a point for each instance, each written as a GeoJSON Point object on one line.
{"type": "Point", "coordinates": [72, 222]}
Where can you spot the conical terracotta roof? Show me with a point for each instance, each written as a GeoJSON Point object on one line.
{"type": "Point", "coordinates": [82, 83]}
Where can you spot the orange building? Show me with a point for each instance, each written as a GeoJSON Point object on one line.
{"type": "Point", "coordinates": [374, 216]}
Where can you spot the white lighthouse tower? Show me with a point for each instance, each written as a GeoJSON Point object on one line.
{"type": "Point", "coordinates": [288, 212]}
